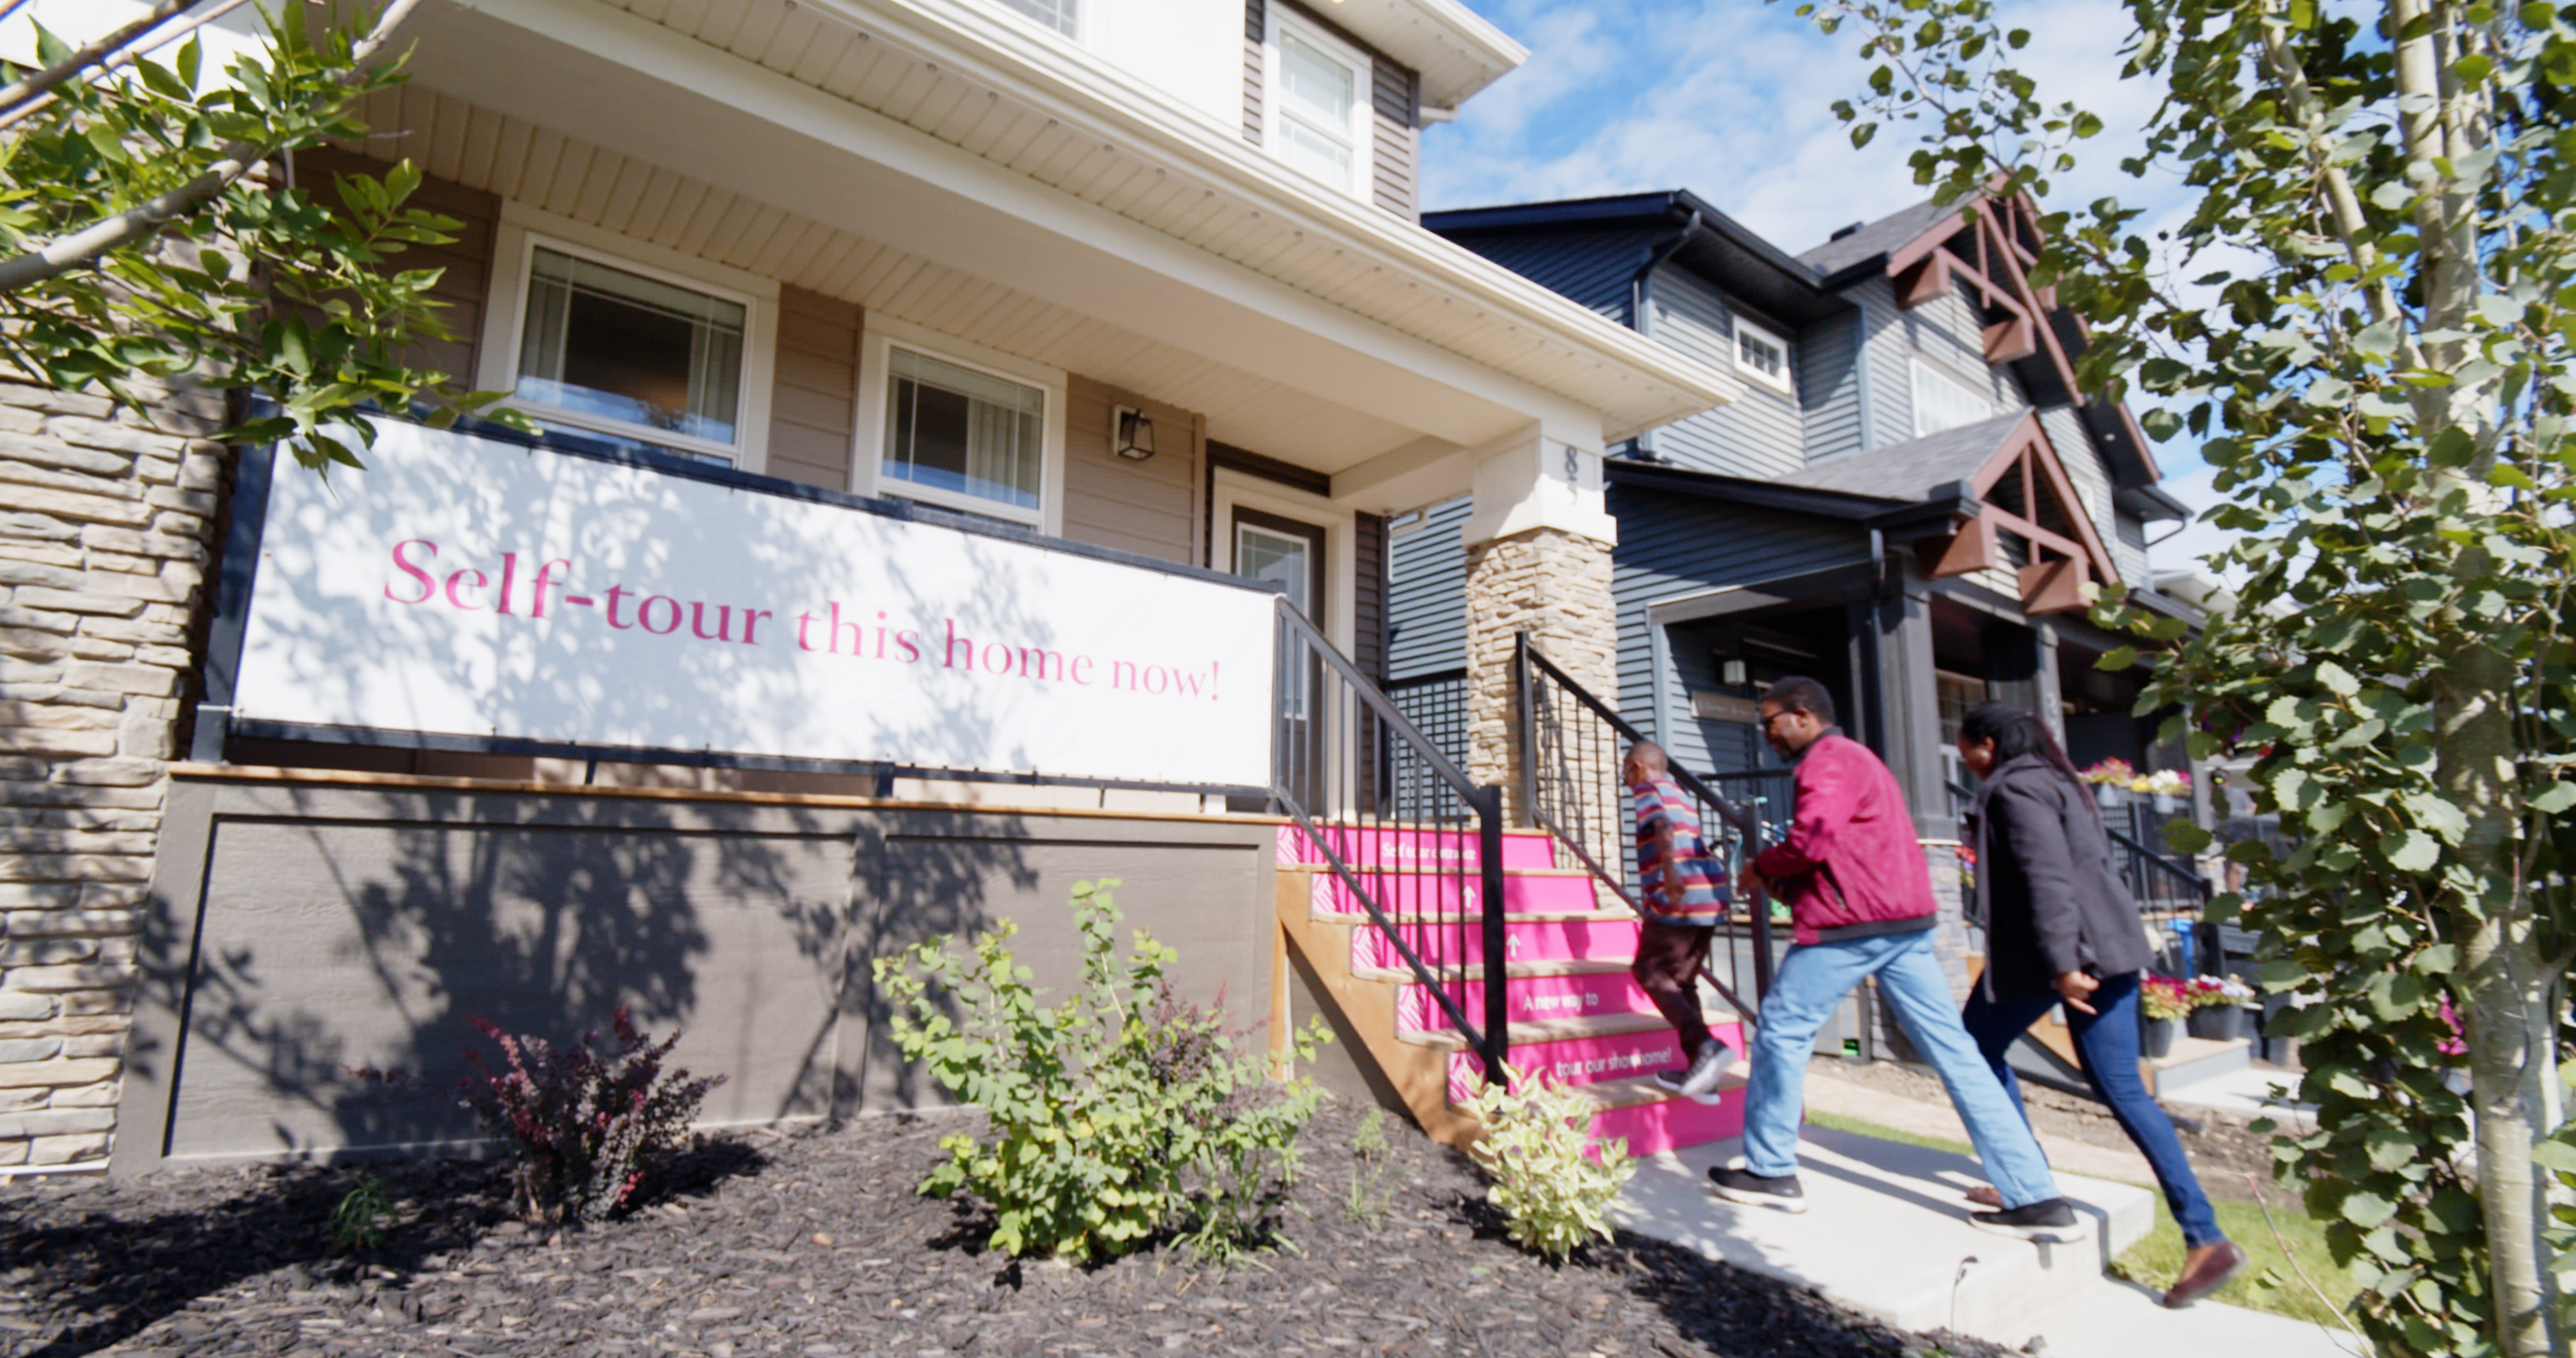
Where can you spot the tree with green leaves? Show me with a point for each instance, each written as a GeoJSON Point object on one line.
{"type": "Point", "coordinates": [2365, 313]}
{"type": "Point", "coordinates": [153, 233]}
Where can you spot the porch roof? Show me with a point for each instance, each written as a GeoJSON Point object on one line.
{"type": "Point", "coordinates": [1914, 469]}
{"type": "Point", "coordinates": [975, 143]}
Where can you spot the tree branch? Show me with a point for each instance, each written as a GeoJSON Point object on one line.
{"type": "Point", "coordinates": [66, 253]}
{"type": "Point", "coordinates": [46, 79]}
{"type": "Point", "coordinates": [41, 102]}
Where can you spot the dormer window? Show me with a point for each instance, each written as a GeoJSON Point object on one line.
{"type": "Point", "coordinates": [1317, 115]}
{"type": "Point", "coordinates": [1064, 16]}
{"type": "Point", "coordinates": [1943, 402]}
{"type": "Point", "coordinates": [1762, 356]}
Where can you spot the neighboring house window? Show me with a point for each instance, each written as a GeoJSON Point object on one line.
{"type": "Point", "coordinates": [960, 427]}
{"type": "Point", "coordinates": [1064, 16]}
{"type": "Point", "coordinates": [1763, 356]}
{"type": "Point", "coordinates": [1943, 402]}
{"type": "Point", "coordinates": [965, 433]}
{"type": "Point", "coordinates": [1318, 109]}
{"type": "Point", "coordinates": [644, 359]}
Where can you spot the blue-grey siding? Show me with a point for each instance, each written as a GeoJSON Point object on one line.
{"type": "Point", "coordinates": [1594, 268]}
{"type": "Point", "coordinates": [1672, 547]}
{"type": "Point", "coordinates": [2129, 549]}
{"type": "Point", "coordinates": [1757, 435]}
{"type": "Point", "coordinates": [1888, 416]}
{"type": "Point", "coordinates": [1829, 382]}
{"type": "Point", "coordinates": [1426, 597]}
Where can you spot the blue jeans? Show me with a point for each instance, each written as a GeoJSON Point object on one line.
{"type": "Point", "coordinates": [1811, 984]}
{"type": "Point", "coordinates": [2106, 1045]}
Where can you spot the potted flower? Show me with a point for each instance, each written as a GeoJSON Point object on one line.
{"type": "Point", "coordinates": [2163, 1002]}
{"type": "Point", "coordinates": [2168, 787]}
{"type": "Point", "coordinates": [2110, 778]}
{"type": "Point", "coordinates": [2219, 1008]}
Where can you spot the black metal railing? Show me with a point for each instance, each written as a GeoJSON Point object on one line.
{"type": "Point", "coordinates": [1436, 704]}
{"type": "Point", "coordinates": [2161, 885]}
{"type": "Point", "coordinates": [1410, 841]}
{"type": "Point", "coordinates": [1572, 745]}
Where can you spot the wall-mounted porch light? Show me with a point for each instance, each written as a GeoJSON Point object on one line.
{"type": "Point", "coordinates": [1131, 435]}
{"type": "Point", "coordinates": [1731, 673]}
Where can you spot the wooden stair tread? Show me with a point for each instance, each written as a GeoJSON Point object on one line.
{"type": "Point", "coordinates": [1548, 966]}
{"type": "Point", "coordinates": [1630, 1092]}
{"type": "Point", "coordinates": [1563, 1029]}
{"type": "Point", "coordinates": [1441, 916]}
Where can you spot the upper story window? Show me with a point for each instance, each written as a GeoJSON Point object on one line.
{"type": "Point", "coordinates": [961, 427]}
{"type": "Point", "coordinates": [643, 359]}
{"type": "Point", "coordinates": [1763, 356]}
{"type": "Point", "coordinates": [1064, 16]}
{"type": "Point", "coordinates": [1944, 402]}
{"type": "Point", "coordinates": [1318, 111]}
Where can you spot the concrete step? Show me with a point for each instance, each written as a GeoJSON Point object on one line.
{"type": "Point", "coordinates": [1886, 1233]}
{"type": "Point", "coordinates": [1398, 846]}
{"type": "Point", "coordinates": [2196, 1060]}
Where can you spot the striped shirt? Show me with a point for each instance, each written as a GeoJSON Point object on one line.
{"type": "Point", "coordinates": [1703, 886]}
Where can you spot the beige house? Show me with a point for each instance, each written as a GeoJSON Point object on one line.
{"type": "Point", "coordinates": [1139, 283]}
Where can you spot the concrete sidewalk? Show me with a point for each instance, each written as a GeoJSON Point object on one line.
{"type": "Point", "coordinates": [1886, 1234]}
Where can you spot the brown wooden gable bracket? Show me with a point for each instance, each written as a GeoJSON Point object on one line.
{"type": "Point", "coordinates": [1929, 265]}
{"type": "Point", "coordinates": [2059, 566]}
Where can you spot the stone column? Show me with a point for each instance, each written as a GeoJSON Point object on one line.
{"type": "Point", "coordinates": [1538, 561]}
{"type": "Point", "coordinates": [104, 526]}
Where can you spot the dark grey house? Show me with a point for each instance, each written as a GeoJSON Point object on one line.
{"type": "Point", "coordinates": [1906, 503]}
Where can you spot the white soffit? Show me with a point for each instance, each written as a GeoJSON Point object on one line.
{"type": "Point", "coordinates": [544, 169]}
{"type": "Point", "coordinates": [1054, 117]}
{"type": "Point", "coordinates": [1456, 52]}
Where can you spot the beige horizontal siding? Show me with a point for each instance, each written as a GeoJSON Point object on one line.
{"type": "Point", "coordinates": [814, 403]}
{"type": "Point", "coordinates": [1151, 507]}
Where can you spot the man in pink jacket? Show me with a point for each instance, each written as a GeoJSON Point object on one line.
{"type": "Point", "coordinates": [1860, 896]}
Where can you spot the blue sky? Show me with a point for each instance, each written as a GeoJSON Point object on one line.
{"type": "Point", "coordinates": [1733, 100]}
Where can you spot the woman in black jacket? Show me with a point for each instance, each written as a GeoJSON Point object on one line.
{"type": "Point", "coordinates": [2062, 929]}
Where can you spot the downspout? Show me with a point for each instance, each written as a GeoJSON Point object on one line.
{"type": "Point", "coordinates": [1640, 290]}
{"type": "Point", "coordinates": [1873, 694]}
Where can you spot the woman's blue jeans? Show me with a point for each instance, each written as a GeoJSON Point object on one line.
{"type": "Point", "coordinates": [2106, 1045]}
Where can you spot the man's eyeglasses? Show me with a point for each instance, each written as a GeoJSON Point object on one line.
{"type": "Point", "coordinates": [1770, 717]}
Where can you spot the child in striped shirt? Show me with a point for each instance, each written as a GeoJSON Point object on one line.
{"type": "Point", "coordinates": [1685, 895]}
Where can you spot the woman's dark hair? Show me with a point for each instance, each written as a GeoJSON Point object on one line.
{"type": "Point", "coordinates": [2017, 733]}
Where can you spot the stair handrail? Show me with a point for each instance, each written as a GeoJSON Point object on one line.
{"type": "Point", "coordinates": [1527, 657]}
{"type": "Point", "coordinates": [1491, 1039]}
{"type": "Point", "coordinates": [2146, 861]}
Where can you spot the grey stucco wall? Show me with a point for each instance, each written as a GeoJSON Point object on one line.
{"type": "Point", "coordinates": [301, 928]}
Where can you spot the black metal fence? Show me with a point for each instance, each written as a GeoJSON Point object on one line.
{"type": "Point", "coordinates": [1572, 745]}
{"type": "Point", "coordinates": [1436, 704]}
{"type": "Point", "coordinates": [1410, 842]}
{"type": "Point", "coordinates": [2165, 887]}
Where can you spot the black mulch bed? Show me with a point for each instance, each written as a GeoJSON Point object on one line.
{"type": "Point", "coordinates": [816, 1244]}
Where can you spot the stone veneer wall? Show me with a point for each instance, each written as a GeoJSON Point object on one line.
{"type": "Point", "coordinates": [104, 526]}
{"type": "Point", "coordinates": [1555, 586]}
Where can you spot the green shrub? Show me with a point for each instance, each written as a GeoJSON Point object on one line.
{"type": "Point", "coordinates": [357, 1220]}
{"type": "Point", "coordinates": [1118, 1113]}
{"type": "Point", "coordinates": [1366, 1201]}
{"type": "Point", "coordinates": [1548, 1180]}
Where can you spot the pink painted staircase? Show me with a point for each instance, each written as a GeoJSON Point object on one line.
{"type": "Point", "coordinates": [1575, 1015]}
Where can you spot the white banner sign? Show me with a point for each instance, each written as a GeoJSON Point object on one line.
{"type": "Point", "coordinates": [469, 587]}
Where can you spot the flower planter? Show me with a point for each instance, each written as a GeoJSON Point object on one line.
{"type": "Point", "coordinates": [2167, 804]}
{"type": "Point", "coordinates": [2156, 1037]}
{"type": "Point", "coordinates": [2222, 1022]}
{"type": "Point", "coordinates": [2107, 796]}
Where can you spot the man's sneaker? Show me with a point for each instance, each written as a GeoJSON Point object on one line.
{"type": "Point", "coordinates": [2206, 1273]}
{"type": "Point", "coordinates": [2052, 1220]}
{"type": "Point", "coordinates": [1777, 1192]}
{"type": "Point", "coordinates": [1706, 1074]}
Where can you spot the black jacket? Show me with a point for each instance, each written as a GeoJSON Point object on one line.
{"type": "Point", "coordinates": [2046, 892]}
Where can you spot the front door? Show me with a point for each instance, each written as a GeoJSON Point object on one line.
{"type": "Point", "coordinates": [1291, 555]}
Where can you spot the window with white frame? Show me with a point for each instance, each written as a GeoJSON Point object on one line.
{"type": "Point", "coordinates": [1317, 109]}
{"type": "Point", "coordinates": [640, 357]}
{"type": "Point", "coordinates": [1064, 16]}
{"type": "Point", "coordinates": [974, 438]}
{"type": "Point", "coordinates": [1944, 402]}
{"type": "Point", "coordinates": [1762, 356]}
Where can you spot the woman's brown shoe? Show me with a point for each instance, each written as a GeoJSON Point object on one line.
{"type": "Point", "coordinates": [2205, 1270]}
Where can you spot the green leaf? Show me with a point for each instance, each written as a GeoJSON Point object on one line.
{"type": "Point", "coordinates": [2411, 850]}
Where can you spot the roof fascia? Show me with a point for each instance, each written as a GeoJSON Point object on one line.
{"type": "Point", "coordinates": [1828, 504]}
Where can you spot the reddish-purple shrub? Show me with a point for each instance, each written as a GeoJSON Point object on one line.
{"type": "Point", "coordinates": [582, 1129]}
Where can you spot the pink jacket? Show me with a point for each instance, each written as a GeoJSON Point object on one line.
{"type": "Point", "coordinates": [1851, 866]}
